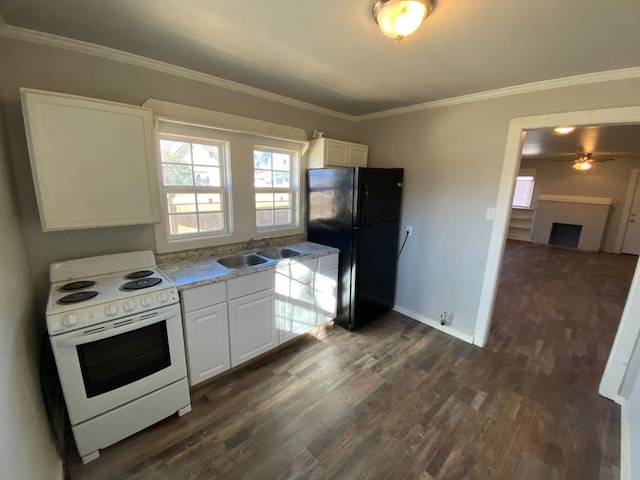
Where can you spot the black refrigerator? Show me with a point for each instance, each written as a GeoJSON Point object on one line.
{"type": "Point", "coordinates": [358, 211]}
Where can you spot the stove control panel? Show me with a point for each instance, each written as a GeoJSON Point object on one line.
{"type": "Point", "coordinates": [98, 313]}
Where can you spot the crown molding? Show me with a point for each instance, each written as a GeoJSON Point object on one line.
{"type": "Point", "coordinates": [576, 80]}
{"type": "Point", "coordinates": [79, 46]}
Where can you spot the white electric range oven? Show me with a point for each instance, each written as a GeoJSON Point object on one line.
{"type": "Point", "coordinates": [115, 327]}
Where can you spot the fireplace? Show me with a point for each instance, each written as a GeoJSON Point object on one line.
{"type": "Point", "coordinates": [565, 235]}
{"type": "Point", "coordinates": [571, 221]}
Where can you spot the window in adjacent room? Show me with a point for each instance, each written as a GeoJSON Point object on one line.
{"type": "Point", "coordinates": [275, 184]}
{"type": "Point", "coordinates": [523, 191]}
{"type": "Point", "coordinates": [194, 186]}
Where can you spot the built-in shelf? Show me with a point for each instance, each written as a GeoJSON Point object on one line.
{"type": "Point", "coordinates": [521, 223]}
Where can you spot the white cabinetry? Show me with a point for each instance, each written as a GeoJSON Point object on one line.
{"type": "Point", "coordinates": [521, 223]}
{"type": "Point", "coordinates": [326, 152]}
{"type": "Point", "coordinates": [252, 328]}
{"type": "Point", "coordinates": [93, 162]}
{"type": "Point", "coordinates": [326, 288]}
{"type": "Point", "coordinates": [206, 331]}
{"type": "Point", "coordinates": [295, 299]}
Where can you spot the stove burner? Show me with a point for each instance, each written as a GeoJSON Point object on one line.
{"type": "Point", "coordinates": [78, 297]}
{"type": "Point", "coordinates": [78, 285]}
{"type": "Point", "coordinates": [138, 274]}
{"type": "Point", "coordinates": [141, 283]}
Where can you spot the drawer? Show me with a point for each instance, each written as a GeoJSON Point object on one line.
{"type": "Point", "coordinates": [252, 283]}
{"type": "Point", "coordinates": [300, 270]}
{"type": "Point", "coordinates": [328, 262]}
{"type": "Point", "coordinates": [204, 296]}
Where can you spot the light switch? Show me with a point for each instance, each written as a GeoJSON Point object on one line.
{"type": "Point", "coordinates": [491, 213]}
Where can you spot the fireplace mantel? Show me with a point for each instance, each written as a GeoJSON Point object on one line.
{"type": "Point", "coordinates": [575, 199]}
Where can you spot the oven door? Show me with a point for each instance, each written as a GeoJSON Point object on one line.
{"type": "Point", "coordinates": [111, 364]}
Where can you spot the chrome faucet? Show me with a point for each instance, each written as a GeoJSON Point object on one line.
{"type": "Point", "coordinates": [250, 243]}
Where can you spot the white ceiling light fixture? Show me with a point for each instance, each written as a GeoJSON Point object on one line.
{"type": "Point", "coordinates": [400, 18]}
{"type": "Point", "coordinates": [564, 130]}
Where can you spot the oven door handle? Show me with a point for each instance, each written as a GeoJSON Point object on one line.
{"type": "Point", "coordinates": [112, 332]}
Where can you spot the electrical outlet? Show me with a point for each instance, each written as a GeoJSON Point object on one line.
{"type": "Point", "coordinates": [409, 230]}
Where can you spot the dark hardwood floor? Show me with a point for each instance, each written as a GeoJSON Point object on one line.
{"type": "Point", "coordinates": [400, 400]}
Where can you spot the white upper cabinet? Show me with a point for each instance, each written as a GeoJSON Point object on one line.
{"type": "Point", "coordinates": [326, 152]}
{"type": "Point", "coordinates": [93, 162]}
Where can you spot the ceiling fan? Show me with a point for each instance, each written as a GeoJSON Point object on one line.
{"type": "Point", "coordinates": [583, 161]}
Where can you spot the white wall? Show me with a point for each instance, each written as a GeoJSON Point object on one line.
{"type": "Point", "coordinates": [453, 159]}
{"type": "Point", "coordinates": [608, 179]}
{"type": "Point", "coordinates": [26, 449]}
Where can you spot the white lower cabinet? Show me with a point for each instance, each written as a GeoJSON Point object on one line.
{"type": "Point", "coordinates": [207, 337]}
{"type": "Point", "coordinates": [252, 329]}
{"type": "Point", "coordinates": [294, 301]}
{"type": "Point", "coordinates": [228, 323]}
{"type": "Point", "coordinates": [206, 328]}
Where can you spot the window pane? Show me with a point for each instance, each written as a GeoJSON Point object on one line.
{"type": "Point", "coordinates": [177, 174]}
{"type": "Point", "coordinates": [523, 191]}
{"type": "Point", "coordinates": [175, 152]}
{"type": "Point", "coordinates": [264, 200]}
{"type": "Point", "coordinates": [262, 159]}
{"type": "Point", "coordinates": [282, 217]}
{"type": "Point", "coordinates": [181, 224]}
{"type": "Point", "coordinates": [210, 222]}
{"type": "Point", "coordinates": [264, 218]}
{"type": "Point", "coordinates": [281, 179]}
{"type": "Point", "coordinates": [206, 154]}
{"type": "Point", "coordinates": [282, 200]}
{"type": "Point", "coordinates": [207, 175]}
{"type": "Point", "coordinates": [282, 161]}
{"type": "Point", "coordinates": [262, 178]}
{"type": "Point", "coordinates": [209, 202]}
{"type": "Point", "coordinates": [181, 202]}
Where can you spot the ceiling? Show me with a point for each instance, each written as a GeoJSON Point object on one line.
{"type": "Point", "coordinates": [604, 141]}
{"type": "Point", "coordinates": [331, 53]}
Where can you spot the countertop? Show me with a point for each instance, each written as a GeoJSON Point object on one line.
{"type": "Point", "coordinates": [203, 271]}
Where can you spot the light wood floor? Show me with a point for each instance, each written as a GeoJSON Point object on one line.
{"type": "Point", "coordinates": [400, 400]}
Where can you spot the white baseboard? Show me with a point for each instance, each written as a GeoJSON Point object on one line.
{"type": "Point", "coordinates": [467, 337]}
{"type": "Point", "coordinates": [625, 443]}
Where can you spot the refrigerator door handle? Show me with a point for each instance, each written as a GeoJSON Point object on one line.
{"type": "Point", "coordinates": [365, 204]}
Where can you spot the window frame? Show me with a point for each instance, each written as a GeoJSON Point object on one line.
{"type": "Point", "coordinates": [293, 189]}
{"type": "Point", "coordinates": [224, 190]}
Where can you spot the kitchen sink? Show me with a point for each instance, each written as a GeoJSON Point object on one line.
{"type": "Point", "coordinates": [241, 261]}
{"type": "Point", "coordinates": [276, 253]}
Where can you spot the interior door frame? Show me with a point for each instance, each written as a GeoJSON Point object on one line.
{"type": "Point", "coordinates": [626, 210]}
{"type": "Point", "coordinates": [629, 328]}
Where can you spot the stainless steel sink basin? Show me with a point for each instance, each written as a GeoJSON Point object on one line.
{"type": "Point", "coordinates": [276, 253]}
{"type": "Point", "coordinates": [241, 261]}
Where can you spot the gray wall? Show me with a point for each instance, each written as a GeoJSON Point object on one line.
{"type": "Point", "coordinates": [453, 158]}
{"type": "Point", "coordinates": [608, 179]}
{"type": "Point", "coordinates": [53, 69]}
{"type": "Point", "coordinates": [26, 449]}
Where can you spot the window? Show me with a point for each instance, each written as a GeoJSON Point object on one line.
{"type": "Point", "coordinates": [194, 186]}
{"type": "Point", "coordinates": [523, 191]}
{"type": "Point", "coordinates": [275, 187]}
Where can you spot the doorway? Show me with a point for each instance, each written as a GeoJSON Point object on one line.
{"type": "Point", "coordinates": [630, 229]}
{"type": "Point", "coordinates": [628, 330]}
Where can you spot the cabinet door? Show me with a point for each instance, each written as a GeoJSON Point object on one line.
{"type": "Point", "coordinates": [337, 153]}
{"type": "Point", "coordinates": [358, 155]}
{"type": "Point", "coordinates": [207, 337]}
{"type": "Point", "coordinates": [93, 162]}
{"type": "Point", "coordinates": [295, 300]}
{"type": "Point", "coordinates": [326, 295]}
{"type": "Point", "coordinates": [252, 328]}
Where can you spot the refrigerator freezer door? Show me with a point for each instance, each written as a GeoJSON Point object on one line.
{"type": "Point", "coordinates": [378, 195]}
